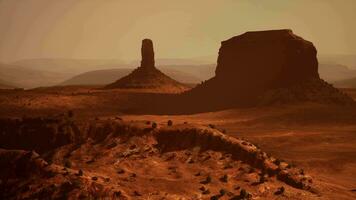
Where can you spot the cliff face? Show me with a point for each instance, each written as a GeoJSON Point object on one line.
{"type": "Point", "coordinates": [264, 67]}
{"type": "Point", "coordinates": [267, 59]}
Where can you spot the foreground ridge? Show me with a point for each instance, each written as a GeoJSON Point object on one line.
{"type": "Point", "coordinates": [132, 160]}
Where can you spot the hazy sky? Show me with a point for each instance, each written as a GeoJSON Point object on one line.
{"type": "Point", "coordinates": [113, 29]}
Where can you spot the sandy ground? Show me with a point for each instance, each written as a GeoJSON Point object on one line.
{"type": "Point", "coordinates": [319, 138]}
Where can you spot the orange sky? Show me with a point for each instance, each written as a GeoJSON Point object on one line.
{"type": "Point", "coordinates": [113, 29]}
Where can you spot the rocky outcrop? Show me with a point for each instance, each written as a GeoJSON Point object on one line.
{"type": "Point", "coordinates": [39, 134]}
{"type": "Point", "coordinates": [147, 76]}
{"type": "Point", "coordinates": [267, 59]}
{"type": "Point", "coordinates": [185, 137]}
{"type": "Point", "coordinates": [118, 159]}
{"type": "Point", "coordinates": [147, 53]}
{"type": "Point", "coordinates": [255, 63]}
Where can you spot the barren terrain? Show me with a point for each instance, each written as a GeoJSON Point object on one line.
{"type": "Point", "coordinates": [317, 138]}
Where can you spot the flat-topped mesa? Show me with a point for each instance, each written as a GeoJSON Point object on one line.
{"type": "Point", "coordinates": [265, 67]}
{"type": "Point", "coordinates": [147, 53]}
{"type": "Point", "coordinates": [274, 58]}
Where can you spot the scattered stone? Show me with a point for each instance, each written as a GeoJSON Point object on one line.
{"type": "Point", "coordinates": [117, 193]}
{"type": "Point", "coordinates": [170, 123]}
{"type": "Point", "coordinates": [237, 187]}
{"type": "Point", "coordinates": [136, 193]}
{"type": "Point", "coordinates": [212, 126]}
{"type": "Point", "coordinates": [67, 163]}
{"type": "Point", "coordinates": [228, 165]}
{"type": "Point", "coordinates": [207, 180]}
{"type": "Point", "coordinates": [94, 178]}
{"type": "Point", "coordinates": [80, 173]}
{"type": "Point", "coordinates": [90, 161]}
{"type": "Point", "coordinates": [280, 191]}
{"type": "Point", "coordinates": [120, 171]}
{"type": "Point", "coordinates": [206, 158]}
{"type": "Point", "coordinates": [222, 192]}
{"type": "Point", "coordinates": [224, 178]}
{"type": "Point", "coordinates": [244, 194]}
{"type": "Point", "coordinates": [202, 188]}
{"type": "Point", "coordinates": [190, 160]}
{"type": "Point", "coordinates": [169, 156]}
{"type": "Point", "coordinates": [111, 145]}
{"type": "Point", "coordinates": [207, 191]}
{"type": "Point", "coordinates": [215, 197]}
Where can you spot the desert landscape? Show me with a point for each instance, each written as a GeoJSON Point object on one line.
{"type": "Point", "coordinates": [266, 117]}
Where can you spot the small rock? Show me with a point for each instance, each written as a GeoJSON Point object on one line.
{"type": "Point", "coordinates": [215, 197]}
{"type": "Point", "coordinates": [136, 193]}
{"type": "Point", "coordinates": [94, 178]}
{"type": "Point", "coordinates": [222, 192]}
{"type": "Point", "coordinates": [190, 160]}
{"type": "Point", "coordinates": [117, 193]}
{"type": "Point", "coordinates": [202, 188]}
{"type": "Point", "coordinates": [80, 173]}
{"type": "Point", "coordinates": [120, 171]}
{"type": "Point", "coordinates": [280, 191]}
{"type": "Point", "coordinates": [224, 178]}
{"type": "Point", "coordinates": [206, 181]}
{"type": "Point", "coordinates": [237, 187]}
{"type": "Point", "coordinates": [207, 191]}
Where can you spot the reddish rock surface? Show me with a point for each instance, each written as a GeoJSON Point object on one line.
{"type": "Point", "coordinates": [148, 55]}
{"type": "Point", "coordinates": [147, 75]}
{"type": "Point", "coordinates": [267, 59]}
{"type": "Point", "coordinates": [254, 66]}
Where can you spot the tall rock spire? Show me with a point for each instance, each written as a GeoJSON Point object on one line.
{"type": "Point", "coordinates": [148, 55]}
{"type": "Point", "coordinates": [147, 75]}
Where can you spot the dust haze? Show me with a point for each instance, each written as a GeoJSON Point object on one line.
{"type": "Point", "coordinates": [219, 100]}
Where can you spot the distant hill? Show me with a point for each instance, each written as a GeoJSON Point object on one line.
{"type": "Point", "coordinates": [29, 78]}
{"type": "Point", "coordinates": [202, 72]}
{"type": "Point", "coordinates": [335, 72]}
{"type": "Point", "coordinates": [348, 60]}
{"type": "Point", "coordinates": [69, 66]}
{"type": "Point", "coordinates": [106, 76]}
{"type": "Point", "coordinates": [6, 85]}
{"type": "Point", "coordinates": [46, 72]}
{"type": "Point", "coordinates": [348, 83]}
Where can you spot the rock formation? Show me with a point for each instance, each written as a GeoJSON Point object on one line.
{"type": "Point", "coordinates": [147, 76]}
{"type": "Point", "coordinates": [253, 66]}
{"type": "Point", "coordinates": [125, 160]}
{"type": "Point", "coordinates": [267, 59]}
{"type": "Point", "coordinates": [147, 53]}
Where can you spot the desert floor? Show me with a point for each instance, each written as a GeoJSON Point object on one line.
{"type": "Point", "coordinates": [318, 138]}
